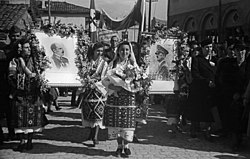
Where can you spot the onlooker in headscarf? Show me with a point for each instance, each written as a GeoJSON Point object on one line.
{"type": "Point", "coordinates": [28, 111]}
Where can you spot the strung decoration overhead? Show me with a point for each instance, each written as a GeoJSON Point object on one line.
{"type": "Point", "coordinates": [135, 17]}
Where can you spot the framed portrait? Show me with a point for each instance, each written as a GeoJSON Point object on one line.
{"type": "Point", "coordinates": [61, 53]}
{"type": "Point", "coordinates": [162, 55]}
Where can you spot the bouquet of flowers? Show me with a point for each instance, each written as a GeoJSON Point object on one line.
{"type": "Point", "coordinates": [129, 77]}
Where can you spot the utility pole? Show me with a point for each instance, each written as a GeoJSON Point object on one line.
{"type": "Point", "coordinates": [168, 11]}
{"type": "Point", "coordinates": [219, 23]}
{"type": "Point", "coordinates": [149, 15]}
{"type": "Point", "coordinates": [49, 11]}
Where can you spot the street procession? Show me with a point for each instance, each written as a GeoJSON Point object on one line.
{"type": "Point", "coordinates": [134, 79]}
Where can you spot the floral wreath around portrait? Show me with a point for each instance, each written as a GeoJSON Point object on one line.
{"type": "Point", "coordinates": [41, 63]}
{"type": "Point", "coordinates": [82, 46]}
{"type": "Point", "coordinates": [181, 47]}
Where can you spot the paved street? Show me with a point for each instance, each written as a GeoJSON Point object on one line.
{"type": "Point", "coordinates": [64, 138]}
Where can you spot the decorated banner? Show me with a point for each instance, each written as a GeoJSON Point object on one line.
{"type": "Point", "coordinates": [105, 35]}
{"type": "Point", "coordinates": [61, 53]}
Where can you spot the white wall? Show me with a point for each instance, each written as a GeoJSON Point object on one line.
{"type": "Point", "coordinates": [66, 20]}
{"type": "Point", "coordinates": [19, 1]}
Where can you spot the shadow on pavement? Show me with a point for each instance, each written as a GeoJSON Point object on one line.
{"type": "Point", "coordinates": [8, 145]}
{"type": "Point", "coordinates": [66, 114]}
{"type": "Point", "coordinates": [44, 148]}
{"type": "Point", "coordinates": [155, 132]}
{"type": "Point", "coordinates": [65, 122]}
{"type": "Point", "coordinates": [65, 134]}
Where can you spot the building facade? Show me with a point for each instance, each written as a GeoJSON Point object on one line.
{"type": "Point", "coordinates": [219, 19]}
{"type": "Point", "coordinates": [64, 12]}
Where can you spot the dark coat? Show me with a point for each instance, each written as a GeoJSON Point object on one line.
{"type": "Point", "coordinates": [200, 97]}
{"type": "Point", "coordinates": [229, 80]}
{"type": "Point", "coordinates": [6, 55]}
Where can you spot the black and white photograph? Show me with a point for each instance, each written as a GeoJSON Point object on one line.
{"type": "Point", "coordinates": [139, 79]}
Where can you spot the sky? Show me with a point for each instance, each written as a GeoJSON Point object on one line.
{"type": "Point", "coordinates": [121, 8]}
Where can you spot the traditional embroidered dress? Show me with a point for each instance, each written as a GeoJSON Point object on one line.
{"type": "Point", "coordinates": [119, 112]}
{"type": "Point", "coordinates": [92, 106]}
{"type": "Point", "coordinates": [27, 103]}
{"type": "Point", "coordinates": [119, 115]}
{"type": "Point", "coordinates": [93, 101]}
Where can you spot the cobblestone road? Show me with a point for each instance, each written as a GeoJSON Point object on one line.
{"type": "Point", "coordinates": [64, 138]}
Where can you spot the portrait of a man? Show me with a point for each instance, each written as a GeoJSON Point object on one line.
{"type": "Point", "coordinates": [162, 70]}
{"type": "Point", "coordinates": [58, 56]}
{"type": "Point", "coordinates": [60, 51]}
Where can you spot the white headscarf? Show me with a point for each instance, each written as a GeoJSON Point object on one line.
{"type": "Point", "coordinates": [132, 55]}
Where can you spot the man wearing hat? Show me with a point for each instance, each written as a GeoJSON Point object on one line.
{"type": "Point", "coordinates": [200, 97]}
{"type": "Point", "coordinates": [162, 71]}
{"type": "Point", "coordinates": [230, 86]}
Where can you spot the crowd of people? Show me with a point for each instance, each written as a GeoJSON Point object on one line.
{"type": "Point", "coordinates": [22, 100]}
{"type": "Point", "coordinates": [217, 79]}
{"type": "Point", "coordinates": [24, 103]}
{"type": "Point", "coordinates": [217, 89]}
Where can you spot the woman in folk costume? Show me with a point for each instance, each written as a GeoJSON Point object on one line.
{"type": "Point", "coordinates": [119, 112]}
{"type": "Point", "coordinates": [92, 99]}
{"type": "Point", "coordinates": [29, 114]}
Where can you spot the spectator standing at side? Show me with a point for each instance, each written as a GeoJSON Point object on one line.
{"type": "Point", "coordinates": [10, 51]}
{"type": "Point", "coordinates": [27, 103]}
{"type": "Point", "coordinates": [201, 89]}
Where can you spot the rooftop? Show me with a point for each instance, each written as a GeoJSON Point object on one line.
{"type": "Point", "coordinates": [63, 7]}
{"type": "Point", "coordinates": [10, 14]}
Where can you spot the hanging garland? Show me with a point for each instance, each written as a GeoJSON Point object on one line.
{"type": "Point", "coordinates": [60, 29]}
{"type": "Point", "coordinates": [180, 70]}
{"type": "Point", "coordinates": [41, 63]}
{"type": "Point", "coordinates": [83, 43]}
{"type": "Point", "coordinates": [81, 60]}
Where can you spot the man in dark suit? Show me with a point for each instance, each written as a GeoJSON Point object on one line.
{"type": "Point", "coordinates": [201, 90]}
{"type": "Point", "coordinates": [57, 56]}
